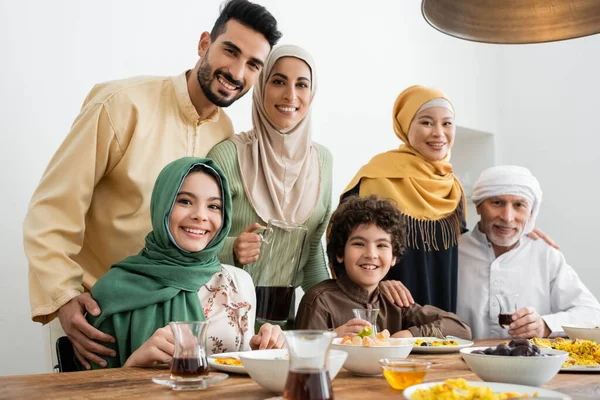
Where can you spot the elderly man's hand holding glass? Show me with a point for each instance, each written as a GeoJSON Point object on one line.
{"type": "Point", "coordinates": [527, 323]}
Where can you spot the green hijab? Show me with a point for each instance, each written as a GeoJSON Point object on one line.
{"type": "Point", "coordinates": [145, 292]}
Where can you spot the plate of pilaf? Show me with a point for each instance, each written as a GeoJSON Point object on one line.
{"type": "Point", "coordinates": [227, 362]}
{"type": "Point", "coordinates": [460, 389]}
{"type": "Point", "coordinates": [584, 355]}
{"type": "Point", "coordinates": [434, 345]}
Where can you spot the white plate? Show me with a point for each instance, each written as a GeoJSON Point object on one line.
{"type": "Point", "coordinates": [226, 368]}
{"type": "Point", "coordinates": [496, 387]}
{"type": "Point", "coordinates": [581, 368]}
{"type": "Point", "coordinates": [462, 343]}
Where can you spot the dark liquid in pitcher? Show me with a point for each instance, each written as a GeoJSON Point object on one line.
{"type": "Point", "coordinates": [188, 367]}
{"type": "Point", "coordinates": [273, 302]}
{"type": "Point", "coordinates": [307, 384]}
{"type": "Point", "coordinates": [504, 320]}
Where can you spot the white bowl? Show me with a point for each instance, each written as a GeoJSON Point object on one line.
{"type": "Point", "coordinates": [364, 360]}
{"type": "Point", "coordinates": [269, 368]}
{"type": "Point", "coordinates": [533, 371]}
{"type": "Point", "coordinates": [582, 333]}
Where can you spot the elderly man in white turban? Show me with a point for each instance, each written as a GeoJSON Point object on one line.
{"type": "Point", "coordinates": [498, 258]}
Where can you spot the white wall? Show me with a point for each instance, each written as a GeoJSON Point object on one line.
{"type": "Point", "coordinates": [53, 52]}
{"type": "Point", "coordinates": [549, 122]}
{"type": "Point", "coordinates": [472, 152]}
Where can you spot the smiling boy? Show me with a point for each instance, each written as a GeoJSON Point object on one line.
{"type": "Point", "coordinates": [367, 236]}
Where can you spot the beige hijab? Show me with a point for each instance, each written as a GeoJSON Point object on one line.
{"type": "Point", "coordinates": [280, 168]}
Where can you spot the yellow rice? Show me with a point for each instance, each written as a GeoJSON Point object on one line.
{"type": "Point", "coordinates": [437, 343]}
{"type": "Point", "coordinates": [581, 352]}
{"type": "Point", "coordinates": [459, 389]}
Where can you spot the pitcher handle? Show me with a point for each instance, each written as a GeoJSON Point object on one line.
{"type": "Point", "coordinates": [266, 235]}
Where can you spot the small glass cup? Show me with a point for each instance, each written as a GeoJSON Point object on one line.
{"type": "Point", "coordinates": [369, 315]}
{"type": "Point", "coordinates": [508, 305]}
{"type": "Point", "coordinates": [404, 372]}
{"type": "Point", "coordinates": [189, 366]}
{"type": "Point", "coordinates": [189, 358]}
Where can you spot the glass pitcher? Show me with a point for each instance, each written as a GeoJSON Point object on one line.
{"type": "Point", "coordinates": [308, 376]}
{"type": "Point", "coordinates": [274, 273]}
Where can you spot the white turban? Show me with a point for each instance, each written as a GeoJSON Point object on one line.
{"type": "Point", "coordinates": [509, 180]}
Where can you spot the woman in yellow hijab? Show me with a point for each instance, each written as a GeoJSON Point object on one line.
{"type": "Point", "coordinates": [418, 177]}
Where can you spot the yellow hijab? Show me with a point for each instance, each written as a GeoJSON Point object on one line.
{"type": "Point", "coordinates": [425, 191]}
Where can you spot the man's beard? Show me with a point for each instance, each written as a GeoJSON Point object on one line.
{"type": "Point", "coordinates": [205, 79]}
{"type": "Point", "coordinates": [504, 242]}
{"type": "Point", "coordinates": [501, 241]}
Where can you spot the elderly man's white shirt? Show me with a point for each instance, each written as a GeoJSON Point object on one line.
{"type": "Point", "coordinates": [534, 270]}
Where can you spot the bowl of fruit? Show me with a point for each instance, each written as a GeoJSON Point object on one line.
{"type": "Point", "coordinates": [366, 349]}
{"type": "Point", "coordinates": [519, 361]}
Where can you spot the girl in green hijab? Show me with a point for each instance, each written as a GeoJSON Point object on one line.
{"type": "Point", "coordinates": [178, 277]}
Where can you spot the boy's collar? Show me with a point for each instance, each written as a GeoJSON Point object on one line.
{"type": "Point", "coordinates": [355, 291]}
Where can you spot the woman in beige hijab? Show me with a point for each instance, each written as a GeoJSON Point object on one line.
{"type": "Point", "coordinates": [275, 170]}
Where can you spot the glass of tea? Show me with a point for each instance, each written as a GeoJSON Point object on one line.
{"type": "Point", "coordinates": [308, 377]}
{"type": "Point", "coordinates": [189, 359]}
{"type": "Point", "coordinates": [369, 315]}
{"type": "Point", "coordinates": [508, 305]}
{"type": "Point", "coordinates": [189, 367]}
{"type": "Point", "coordinates": [402, 373]}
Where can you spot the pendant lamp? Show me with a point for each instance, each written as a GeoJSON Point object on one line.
{"type": "Point", "coordinates": [513, 21]}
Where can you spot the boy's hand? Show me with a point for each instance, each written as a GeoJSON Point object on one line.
{"type": "Point", "coordinates": [351, 328]}
{"type": "Point", "coordinates": [397, 293]}
{"type": "Point", "coordinates": [268, 337]}
{"type": "Point", "coordinates": [527, 323]}
{"type": "Point", "coordinates": [159, 348]}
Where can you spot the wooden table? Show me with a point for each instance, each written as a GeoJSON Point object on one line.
{"type": "Point", "coordinates": [136, 383]}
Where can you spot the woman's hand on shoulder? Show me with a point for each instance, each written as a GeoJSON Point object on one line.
{"type": "Point", "coordinates": [159, 348]}
{"type": "Point", "coordinates": [538, 234]}
{"type": "Point", "coordinates": [397, 293]}
{"type": "Point", "coordinates": [268, 337]}
{"type": "Point", "coordinates": [246, 246]}
{"type": "Point", "coordinates": [351, 327]}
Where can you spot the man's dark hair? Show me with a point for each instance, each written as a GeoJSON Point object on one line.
{"type": "Point", "coordinates": [253, 16]}
{"type": "Point", "coordinates": [355, 211]}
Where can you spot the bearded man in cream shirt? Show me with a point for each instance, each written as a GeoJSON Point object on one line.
{"type": "Point", "coordinates": [92, 206]}
{"type": "Point", "coordinates": [497, 257]}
